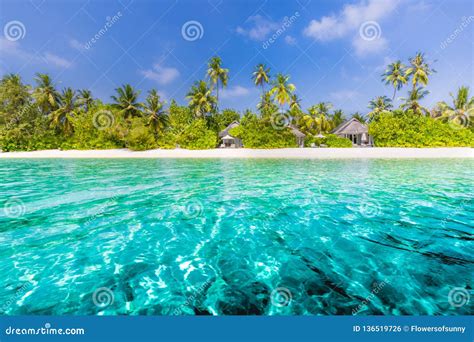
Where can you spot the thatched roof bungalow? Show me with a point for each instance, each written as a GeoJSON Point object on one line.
{"type": "Point", "coordinates": [298, 135]}
{"type": "Point", "coordinates": [355, 131]}
{"type": "Point", "coordinates": [228, 141]}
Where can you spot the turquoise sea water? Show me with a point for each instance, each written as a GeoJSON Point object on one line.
{"type": "Point", "coordinates": [258, 237]}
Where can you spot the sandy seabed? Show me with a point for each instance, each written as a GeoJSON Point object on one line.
{"type": "Point", "coordinates": [288, 153]}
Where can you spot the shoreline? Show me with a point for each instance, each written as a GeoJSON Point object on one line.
{"type": "Point", "coordinates": [284, 153]}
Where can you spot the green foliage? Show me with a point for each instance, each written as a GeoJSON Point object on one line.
{"type": "Point", "coordinates": [197, 136]}
{"type": "Point", "coordinates": [259, 133]}
{"type": "Point", "coordinates": [140, 137]}
{"type": "Point", "coordinates": [180, 117]}
{"type": "Point", "coordinates": [99, 128]}
{"type": "Point", "coordinates": [410, 130]}
{"type": "Point", "coordinates": [167, 140]}
{"type": "Point", "coordinates": [219, 121]}
{"type": "Point", "coordinates": [126, 101]}
{"type": "Point", "coordinates": [14, 95]}
{"type": "Point", "coordinates": [201, 100]}
{"type": "Point", "coordinates": [28, 130]}
{"type": "Point", "coordinates": [333, 140]}
{"type": "Point", "coordinates": [40, 117]}
{"type": "Point", "coordinates": [330, 140]}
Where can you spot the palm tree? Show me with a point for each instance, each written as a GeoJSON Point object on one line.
{"type": "Point", "coordinates": [153, 108]}
{"type": "Point", "coordinates": [378, 105]}
{"type": "Point", "coordinates": [127, 101]}
{"type": "Point", "coordinates": [321, 108]}
{"type": "Point", "coordinates": [295, 103]}
{"type": "Point", "coordinates": [317, 124]}
{"type": "Point", "coordinates": [45, 93]}
{"type": "Point", "coordinates": [261, 76]}
{"type": "Point", "coordinates": [266, 106]}
{"type": "Point", "coordinates": [295, 109]}
{"type": "Point", "coordinates": [11, 77]}
{"type": "Point", "coordinates": [217, 74]}
{"type": "Point", "coordinates": [317, 119]}
{"type": "Point", "coordinates": [13, 94]}
{"type": "Point", "coordinates": [361, 118]}
{"type": "Point", "coordinates": [62, 117]}
{"type": "Point", "coordinates": [413, 101]}
{"type": "Point", "coordinates": [419, 70]}
{"type": "Point", "coordinates": [323, 124]}
{"type": "Point", "coordinates": [85, 99]}
{"type": "Point", "coordinates": [337, 117]}
{"type": "Point", "coordinates": [201, 100]}
{"type": "Point", "coordinates": [460, 112]}
{"type": "Point", "coordinates": [282, 89]}
{"type": "Point", "coordinates": [265, 101]}
{"type": "Point", "coordinates": [396, 76]}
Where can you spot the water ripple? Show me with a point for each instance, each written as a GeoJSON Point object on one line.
{"type": "Point", "coordinates": [226, 237]}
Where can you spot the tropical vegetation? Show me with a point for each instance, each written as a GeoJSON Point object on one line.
{"type": "Point", "coordinates": [41, 116]}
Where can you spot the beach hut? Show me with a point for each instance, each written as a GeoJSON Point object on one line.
{"type": "Point", "coordinates": [228, 141]}
{"type": "Point", "coordinates": [355, 131]}
{"type": "Point", "coordinates": [298, 135]}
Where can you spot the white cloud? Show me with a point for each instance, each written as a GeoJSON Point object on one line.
{"type": "Point", "coordinates": [344, 95]}
{"type": "Point", "coordinates": [421, 6]}
{"type": "Point", "coordinates": [161, 74]}
{"type": "Point", "coordinates": [259, 28]}
{"type": "Point", "coordinates": [56, 60]}
{"type": "Point", "coordinates": [349, 21]}
{"type": "Point", "coordinates": [290, 40]}
{"type": "Point", "coordinates": [235, 91]}
{"type": "Point", "coordinates": [14, 49]}
{"type": "Point", "coordinates": [327, 28]}
{"type": "Point", "coordinates": [363, 47]}
{"type": "Point", "coordinates": [77, 45]}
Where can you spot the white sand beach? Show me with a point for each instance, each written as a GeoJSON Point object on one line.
{"type": "Point", "coordinates": [285, 153]}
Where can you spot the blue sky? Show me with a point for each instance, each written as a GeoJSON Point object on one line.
{"type": "Point", "coordinates": [333, 50]}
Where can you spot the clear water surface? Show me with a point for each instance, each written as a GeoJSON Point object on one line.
{"type": "Point", "coordinates": [224, 237]}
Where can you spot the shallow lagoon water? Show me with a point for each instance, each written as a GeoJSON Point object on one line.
{"type": "Point", "coordinates": [224, 237]}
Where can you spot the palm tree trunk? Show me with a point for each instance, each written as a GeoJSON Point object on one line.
{"type": "Point", "coordinates": [217, 96]}
{"type": "Point", "coordinates": [394, 92]}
